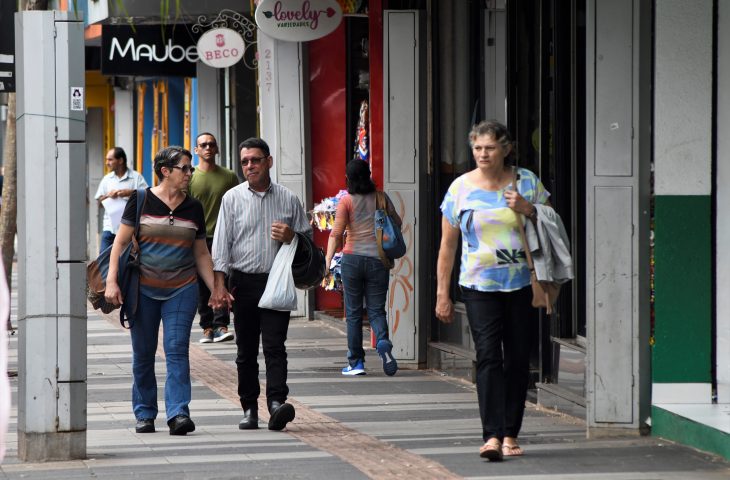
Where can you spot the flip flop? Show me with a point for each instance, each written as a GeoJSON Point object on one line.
{"type": "Point", "coordinates": [491, 451]}
{"type": "Point", "coordinates": [512, 450]}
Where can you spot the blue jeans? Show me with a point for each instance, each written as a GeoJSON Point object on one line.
{"type": "Point", "coordinates": [364, 277]}
{"type": "Point", "coordinates": [107, 239]}
{"type": "Point", "coordinates": [177, 315]}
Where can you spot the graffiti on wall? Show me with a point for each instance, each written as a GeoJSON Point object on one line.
{"type": "Point", "coordinates": [401, 283]}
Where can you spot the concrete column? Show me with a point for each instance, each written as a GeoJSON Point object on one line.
{"type": "Point", "coordinates": [284, 110]}
{"type": "Point", "coordinates": [618, 143]}
{"type": "Point", "coordinates": [51, 236]}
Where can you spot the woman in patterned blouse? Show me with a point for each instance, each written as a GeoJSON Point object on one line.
{"type": "Point", "coordinates": [484, 206]}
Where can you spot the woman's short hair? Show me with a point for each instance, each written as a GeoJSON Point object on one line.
{"type": "Point", "coordinates": [169, 157]}
{"type": "Point", "coordinates": [496, 130]}
{"type": "Point", "coordinates": [358, 177]}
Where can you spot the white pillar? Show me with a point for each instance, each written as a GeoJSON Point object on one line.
{"type": "Point", "coordinates": [51, 236]}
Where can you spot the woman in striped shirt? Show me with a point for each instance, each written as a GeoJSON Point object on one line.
{"type": "Point", "coordinates": [173, 253]}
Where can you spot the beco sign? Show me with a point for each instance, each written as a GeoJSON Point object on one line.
{"type": "Point", "coordinates": [220, 47]}
{"type": "Point", "coordinates": [298, 20]}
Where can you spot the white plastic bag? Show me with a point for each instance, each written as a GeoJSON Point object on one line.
{"type": "Point", "coordinates": [280, 292]}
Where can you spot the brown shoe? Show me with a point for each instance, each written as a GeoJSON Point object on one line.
{"type": "Point", "coordinates": [207, 336]}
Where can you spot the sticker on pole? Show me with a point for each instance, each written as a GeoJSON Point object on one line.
{"type": "Point", "coordinates": [77, 99]}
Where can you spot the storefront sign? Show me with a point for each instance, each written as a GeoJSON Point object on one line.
{"type": "Point", "coordinates": [220, 47]}
{"type": "Point", "coordinates": [298, 20]}
{"type": "Point", "coordinates": [148, 50]}
{"type": "Point", "coordinates": [7, 47]}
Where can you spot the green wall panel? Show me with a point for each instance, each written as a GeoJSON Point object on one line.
{"type": "Point", "coordinates": [683, 289]}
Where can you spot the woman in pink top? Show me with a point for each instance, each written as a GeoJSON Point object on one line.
{"type": "Point", "coordinates": [363, 273]}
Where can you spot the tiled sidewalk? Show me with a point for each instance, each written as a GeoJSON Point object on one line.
{"type": "Point", "coordinates": [418, 424]}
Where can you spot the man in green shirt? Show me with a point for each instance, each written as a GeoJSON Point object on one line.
{"type": "Point", "coordinates": [208, 184]}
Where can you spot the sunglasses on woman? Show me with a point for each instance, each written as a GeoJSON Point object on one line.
{"type": "Point", "coordinates": [185, 168]}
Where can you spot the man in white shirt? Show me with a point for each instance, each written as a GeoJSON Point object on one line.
{"type": "Point", "coordinates": [120, 182]}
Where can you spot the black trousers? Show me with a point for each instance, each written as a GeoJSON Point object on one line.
{"type": "Point", "coordinates": [210, 318]}
{"type": "Point", "coordinates": [501, 326]}
{"type": "Point", "coordinates": [250, 322]}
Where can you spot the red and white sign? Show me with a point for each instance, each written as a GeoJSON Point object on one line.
{"type": "Point", "coordinates": [220, 47]}
{"type": "Point", "coordinates": [298, 20]}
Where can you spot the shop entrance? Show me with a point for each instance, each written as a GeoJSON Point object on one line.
{"type": "Point", "coordinates": [522, 63]}
{"type": "Point", "coordinates": [546, 113]}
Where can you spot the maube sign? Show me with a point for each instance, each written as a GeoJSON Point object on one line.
{"type": "Point", "coordinates": [298, 20]}
{"type": "Point", "coordinates": [220, 47]}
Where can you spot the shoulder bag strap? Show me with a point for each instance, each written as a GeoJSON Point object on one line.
{"type": "Point", "coordinates": [141, 199]}
{"type": "Point", "coordinates": [380, 205]}
{"type": "Point", "coordinates": [528, 255]}
{"type": "Point", "coordinates": [123, 312]}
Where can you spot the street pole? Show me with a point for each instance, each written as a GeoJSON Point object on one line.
{"type": "Point", "coordinates": [51, 236]}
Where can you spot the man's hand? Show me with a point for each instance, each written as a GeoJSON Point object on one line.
{"type": "Point", "coordinates": [281, 232]}
{"type": "Point", "coordinates": [220, 299]}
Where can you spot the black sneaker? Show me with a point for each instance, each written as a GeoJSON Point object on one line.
{"type": "Point", "coordinates": [181, 425]}
{"type": "Point", "coordinates": [146, 425]}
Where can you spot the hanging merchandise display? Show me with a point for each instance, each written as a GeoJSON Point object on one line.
{"type": "Point", "coordinates": [362, 148]}
{"type": "Point", "coordinates": [333, 281]}
{"type": "Point", "coordinates": [323, 213]}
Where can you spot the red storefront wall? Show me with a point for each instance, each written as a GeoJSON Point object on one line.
{"type": "Point", "coordinates": [327, 116]}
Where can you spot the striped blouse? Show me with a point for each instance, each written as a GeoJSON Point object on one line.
{"type": "Point", "coordinates": [166, 239]}
{"type": "Point", "coordinates": [242, 238]}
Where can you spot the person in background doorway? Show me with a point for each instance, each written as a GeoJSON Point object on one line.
{"type": "Point", "coordinates": [173, 254]}
{"type": "Point", "coordinates": [208, 184]}
{"type": "Point", "coordinates": [255, 219]}
{"type": "Point", "coordinates": [484, 206]}
{"type": "Point", "coordinates": [120, 182]}
{"type": "Point", "coordinates": [363, 273]}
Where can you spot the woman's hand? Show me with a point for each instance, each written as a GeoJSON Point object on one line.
{"type": "Point", "coordinates": [518, 203]}
{"type": "Point", "coordinates": [220, 298]}
{"type": "Point", "coordinates": [444, 309]}
{"type": "Point", "coordinates": [112, 294]}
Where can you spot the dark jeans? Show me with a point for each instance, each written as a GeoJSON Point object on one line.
{"type": "Point", "coordinates": [250, 322]}
{"type": "Point", "coordinates": [210, 318]}
{"type": "Point", "coordinates": [364, 277]}
{"type": "Point", "coordinates": [501, 321]}
{"type": "Point", "coordinates": [107, 239]}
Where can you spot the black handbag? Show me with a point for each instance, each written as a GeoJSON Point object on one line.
{"type": "Point", "coordinates": [127, 275]}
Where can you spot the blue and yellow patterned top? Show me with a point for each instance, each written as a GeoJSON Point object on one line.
{"type": "Point", "coordinates": [492, 255]}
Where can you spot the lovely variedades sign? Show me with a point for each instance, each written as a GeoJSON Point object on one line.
{"type": "Point", "coordinates": [298, 20]}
